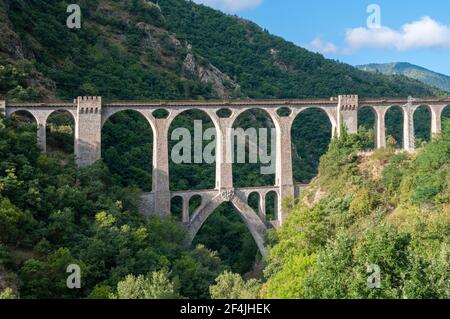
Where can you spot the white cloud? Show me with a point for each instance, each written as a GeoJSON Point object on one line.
{"type": "Point", "coordinates": [231, 6]}
{"type": "Point", "coordinates": [424, 33]}
{"type": "Point", "coordinates": [320, 46]}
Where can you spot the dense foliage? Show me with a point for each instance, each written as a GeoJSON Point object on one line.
{"type": "Point", "coordinates": [52, 214]}
{"type": "Point", "coordinates": [387, 211]}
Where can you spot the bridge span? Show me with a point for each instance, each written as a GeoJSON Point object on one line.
{"type": "Point", "coordinates": [90, 114]}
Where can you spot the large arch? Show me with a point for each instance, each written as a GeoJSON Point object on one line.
{"type": "Point", "coordinates": [23, 117]}
{"type": "Point", "coordinates": [422, 124]}
{"type": "Point", "coordinates": [127, 147]}
{"type": "Point", "coordinates": [209, 205]}
{"type": "Point", "coordinates": [367, 125]}
{"type": "Point", "coordinates": [253, 172]}
{"type": "Point", "coordinates": [196, 170]}
{"type": "Point", "coordinates": [309, 145]}
{"type": "Point", "coordinates": [60, 131]}
{"type": "Point", "coordinates": [394, 123]}
{"type": "Point", "coordinates": [226, 232]}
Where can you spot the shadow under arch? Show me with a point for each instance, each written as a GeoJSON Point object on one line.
{"type": "Point", "coordinates": [192, 166]}
{"type": "Point", "coordinates": [229, 231]}
{"type": "Point", "coordinates": [60, 131]}
{"type": "Point", "coordinates": [394, 125]}
{"type": "Point", "coordinates": [253, 172]}
{"type": "Point", "coordinates": [311, 133]}
{"type": "Point", "coordinates": [127, 148]}
{"type": "Point", "coordinates": [422, 124]}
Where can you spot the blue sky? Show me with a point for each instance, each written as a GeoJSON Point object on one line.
{"type": "Point", "coordinates": [414, 31]}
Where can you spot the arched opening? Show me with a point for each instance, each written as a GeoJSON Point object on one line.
{"type": "Point", "coordinates": [224, 113]}
{"type": "Point", "coordinates": [127, 141]}
{"type": "Point", "coordinates": [254, 201]}
{"type": "Point", "coordinates": [254, 150]}
{"type": "Point", "coordinates": [194, 203]}
{"type": "Point", "coordinates": [60, 132]}
{"type": "Point", "coordinates": [176, 208]}
{"type": "Point", "coordinates": [225, 232]}
{"type": "Point", "coordinates": [367, 121]}
{"type": "Point", "coordinates": [422, 125]}
{"type": "Point", "coordinates": [161, 114]}
{"type": "Point", "coordinates": [192, 151]}
{"type": "Point", "coordinates": [271, 206]}
{"type": "Point", "coordinates": [394, 126]}
{"type": "Point", "coordinates": [23, 119]}
{"type": "Point", "coordinates": [311, 134]}
{"type": "Point", "coordinates": [284, 111]}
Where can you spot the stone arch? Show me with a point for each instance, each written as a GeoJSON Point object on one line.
{"type": "Point", "coordinates": [195, 202]}
{"type": "Point", "coordinates": [176, 207]}
{"type": "Point", "coordinates": [284, 111]}
{"type": "Point", "coordinates": [161, 114]}
{"type": "Point", "coordinates": [394, 118]}
{"type": "Point", "coordinates": [128, 136]}
{"type": "Point", "coordinates": [224, 113]}
{"type": "Point", "coordinates": [329, 112]}
{"type": "Point", "coordinates": [272, 204]}
{"type": "Point", "coordinates": [198, 162]}
{"type": "Point", "coordinates": [368, 118]}
{"type": "Point", "coordinates": [38, 117]}
{"type": "Point", "coordinates": [255, 200]}
{"type": "Point", "coordinates": [30, 114]}
{"type": "Point", "coordinates": [309, 145]}
{"type": "Point", "coordinates": [422, 116]}
{"type": "Point", "coordinates": [257, 113]}
{"type": "Point", "coordinates": [62, 133]}
{"type": "Point", "coordinates": [109, 112]}
{"type": "Point", "coordinates": [254, 224]}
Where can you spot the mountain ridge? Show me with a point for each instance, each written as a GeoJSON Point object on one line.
{"type": "Point", "coordinates": [424, 75]}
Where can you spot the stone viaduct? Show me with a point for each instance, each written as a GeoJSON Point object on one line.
{"type": "Point", "coordinates": [90, 114]}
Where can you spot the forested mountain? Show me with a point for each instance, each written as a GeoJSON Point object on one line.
{"type": "Point", "coordinates": [135, 49]}
{"type": "Point", "coordinates": [412, 71]}
{"type": "Point", "coordinates": [52, 214]}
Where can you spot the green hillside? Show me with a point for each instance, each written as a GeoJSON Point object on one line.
{"type": "Point", "coordinates": [53, 214]}
{"type": "Point", "coordinates": [412, 71]}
